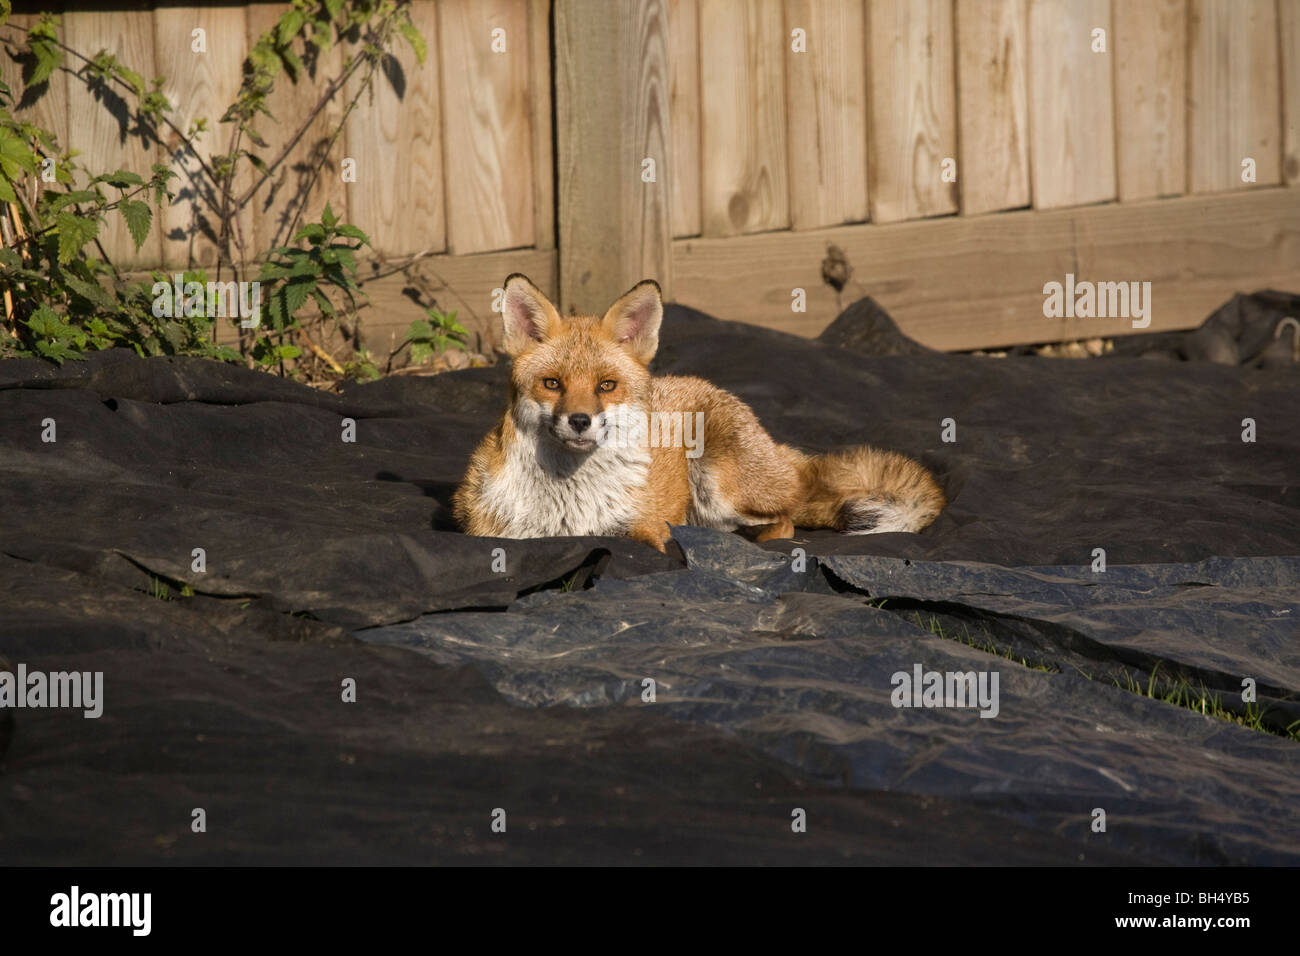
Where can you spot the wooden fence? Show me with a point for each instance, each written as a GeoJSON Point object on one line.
{"type": "Point", "coordinates": [960, 153]}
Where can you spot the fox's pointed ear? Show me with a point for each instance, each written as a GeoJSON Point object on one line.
{"type": "Point", "coordinates": [634, 320]}
{"type": "Point", "coordinates": [528, 315]}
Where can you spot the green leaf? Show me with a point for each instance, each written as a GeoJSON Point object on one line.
{"type": "Point", "coordinates": [323, 301]}
{"type": "Point", "coordinates": [412, 36]}
{"type": "Point", "coordinates": [46, 58]}
{"type": "Point", "coordinates": [7, 191]}
{"type": "Point", "coordinates": [74, 232]}
{"type": "Point", "coordinates": [138, 218]}
{"type": "Point", "coordinates": [133, 79]}
{"type": "Point", "coordinates": [312, 232]}
{"type": "Point", "coordinates": [287, 351]}
{"type": "Point", "coordinates": [303, 266]}
{"type": "Point", "coordinates": [272, 270]}
{"type": "Point", "coordinates": [14, 154]}
{"type": "Point", "coordinates": [327, 218]}
{"type": "Point", "coordinates": [289, 26]}
{"type": "Point", "coordinates": [123, 178]}
{"type": "Point", "coordinates": [352, 232]}
{"type": "Point", "coordinates": [92, 292]}
{"type": "Point", "coordinates": [58, 201]}
{"type": "Point", "coordinates": [258, 163]}
{"type": "Point", "coordinates": [295, 294]}
{"type": "Point", "coordinates": [46, 322]}
{"type": "Point", "coordinates": [421, 352]}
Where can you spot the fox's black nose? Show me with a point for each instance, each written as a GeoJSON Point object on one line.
{"type": "Point", "coordinates": [579, 422]}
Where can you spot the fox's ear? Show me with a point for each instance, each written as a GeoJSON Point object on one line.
{"type": "Point", "coordinates": [634, 320]}
{"type": "Point", "coordinates": [528, 315]}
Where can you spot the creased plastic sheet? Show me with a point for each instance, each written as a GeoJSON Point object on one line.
{"type": "Point", "coordinates": [743, 642]}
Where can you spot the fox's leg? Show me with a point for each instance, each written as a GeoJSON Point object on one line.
{"type": "Point", "coordinates": [667, 496]}
{"type": "Point", "coordinates": [782, 527]}
{"type": "Point", "coordinates": [744, 478]}
{"type": "Point", "coordinates": [654, 533]}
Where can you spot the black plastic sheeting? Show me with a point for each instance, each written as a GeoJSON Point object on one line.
{"type": "Point", "coordinates": [328, 559]}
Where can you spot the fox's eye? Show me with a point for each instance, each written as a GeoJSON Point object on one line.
{"type": "Point", "coordinates": [608, 385]}
{"type": "Point", "coordinates": [552, 383]}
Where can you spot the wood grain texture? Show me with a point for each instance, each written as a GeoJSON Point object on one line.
{"type": "Point", "coordinates": [913, 117]}
{"type": "Point", "coordinates": [102, 124]}
{"type": "Point", "coordinates": [1071, 107]}
{"type": "Point", "coordinates": [1150, 40]}
{"type": "Point", "coordinates": [744, 183]}
{"type": "Point", "coordinates": [200, 85]}
{"type": "Point", "coordinates": [684, 115]}
{"type": "Point", "coordinates": [1289, 34]}
{"type": "Point", "coordinates": [826, 113]}
{"type": "Point", "coordinates": [1233, 91]}
{"type": "Point", "coordinates": [611, 99]}
{"type": "Point", "coordinates": [487, 125]}
{"type": "Point", "coordinates": [395, 135]}
{"type": "Point", "coordinates": [992, 105]}
{"type": "Point", "coordinates": [994, 267]}
{"type": "Point", "coordinates": [539, 96]}
{"type": "Point", "coordinates": [46, 106]}
{"type": "Point", "coordinates": [280, 199]}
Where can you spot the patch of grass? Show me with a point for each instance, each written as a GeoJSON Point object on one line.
{"type": "Point", "coordinates": [986, 644]}
{"type": "Point", "coordinates": [1180, 692]}
{"type": "Point", "coordinates": [160, 589]}
{"type": "Point", "coordinates": [1176, 691]}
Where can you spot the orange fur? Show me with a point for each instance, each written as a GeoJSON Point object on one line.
{"type": "Point", "coordinates": [552, 464]}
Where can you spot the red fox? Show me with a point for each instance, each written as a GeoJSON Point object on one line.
{"type": "Point", "coordinates": [577, 451]}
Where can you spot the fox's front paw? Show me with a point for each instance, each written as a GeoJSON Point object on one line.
{"type": "Point", "coordinates": [655, 534]}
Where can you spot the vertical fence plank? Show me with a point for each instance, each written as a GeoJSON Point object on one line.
{"type": "Point", "coordinates": [992, 108]}
{"type": "Point", "coordinates": [395, 136]}
{"type": "Point", "coordinates": [101, 127]}
{"type": "Point", "coordinates": [49, 109]}
{"type": "Point", "coordinates": [200, 85]}
{"type": "Point", "coordinates": [1071, 104]}
{"type": "Point", "coordinates": [684, 115]}
{"type": "Point", "coordinates": [279, 200]}
{"type": "Point", "coordinates": [913, 108]}
{"type": "Point", "coordinates": [826, 113]}
{"type": "Point", "coordinates": [539, 95]}
{"type": "Point", "coordinates": [487, 127]}
{"type": "Point", "coordinates": [1288, 12]}
{"type": "Point", "coordinates": [1235, 110]}
{"type": "Point", "coordinates": [1151, 98]}
{"type": "Point", "coordinates": [611, 99]}
{"type": "Point", "coordinates": [743, 181]}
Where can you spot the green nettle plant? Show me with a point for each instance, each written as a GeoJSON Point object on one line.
{"type": "Point", "coordinates": [62, 294]}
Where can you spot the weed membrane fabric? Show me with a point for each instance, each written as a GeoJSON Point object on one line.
{"type": "Point", "coordinates": [774, 670]}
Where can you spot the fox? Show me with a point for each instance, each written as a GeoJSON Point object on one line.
{"type": "Point", "coordinates": [563, 460]}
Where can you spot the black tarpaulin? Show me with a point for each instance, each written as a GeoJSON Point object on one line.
{"type": "Point", "coordinates": [479, 687]}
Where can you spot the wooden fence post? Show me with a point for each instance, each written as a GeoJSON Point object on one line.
{"type": "Point", "coordinates": [613, 152]}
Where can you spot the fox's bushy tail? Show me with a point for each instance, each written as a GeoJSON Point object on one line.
{"type": "Point", "coordinates": [865, 490]}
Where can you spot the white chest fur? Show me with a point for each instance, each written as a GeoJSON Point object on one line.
{"type": "Point", "coordinates": [543, 490]}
